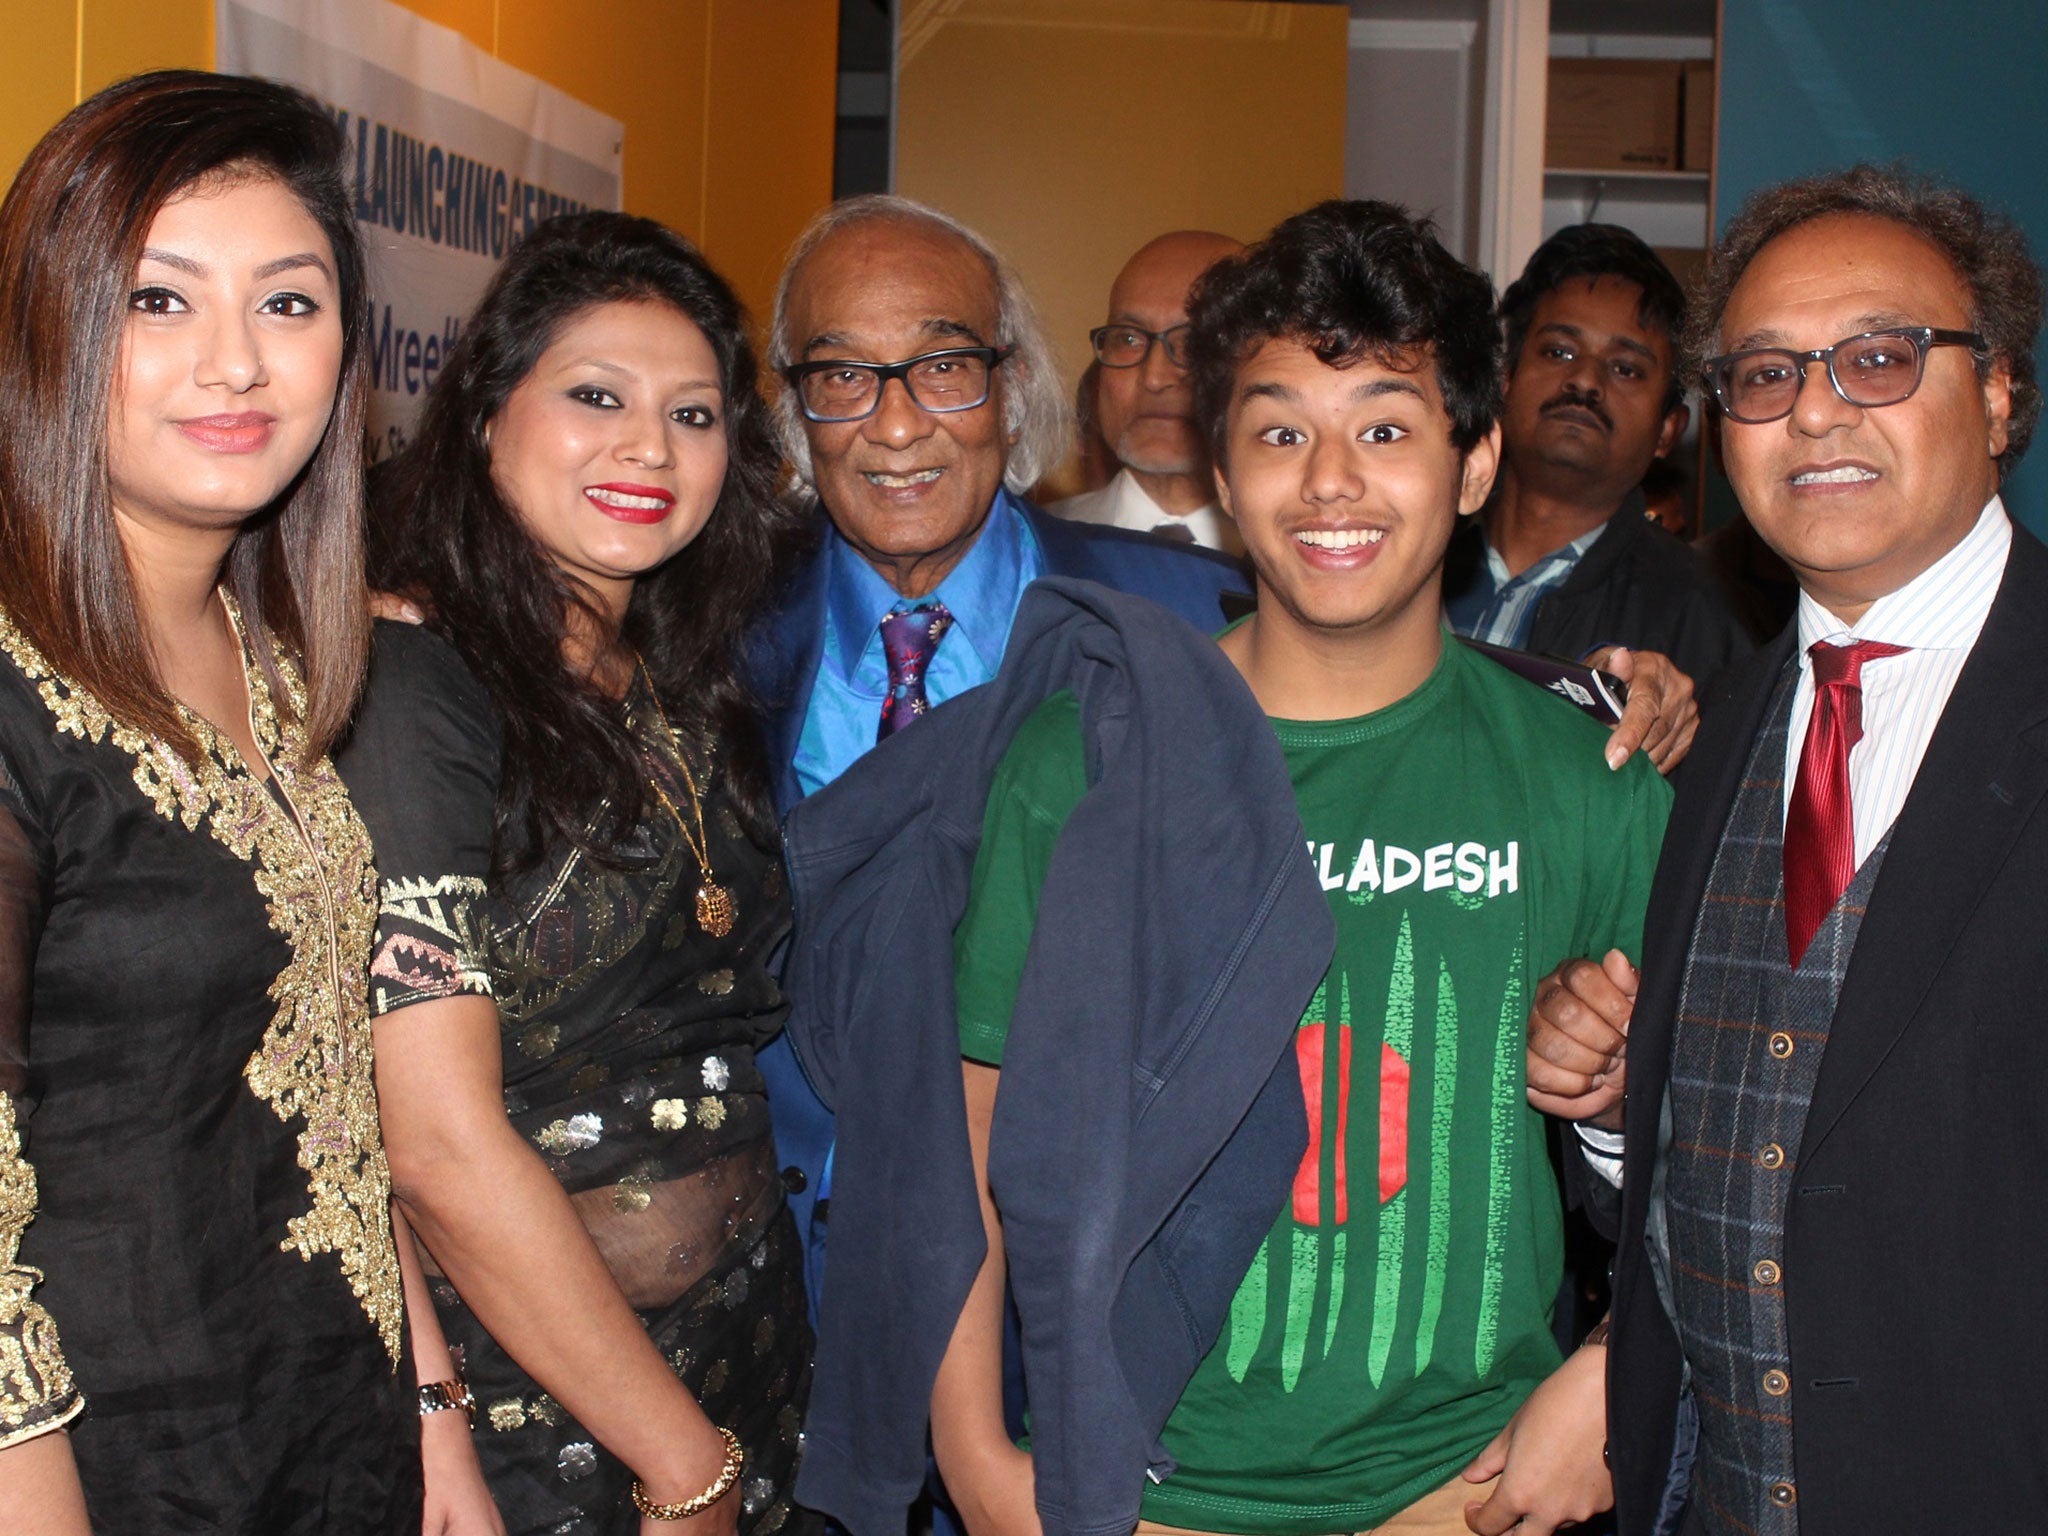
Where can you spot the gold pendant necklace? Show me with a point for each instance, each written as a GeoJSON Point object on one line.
{"type": "Point", "coordinates": [716, 910]}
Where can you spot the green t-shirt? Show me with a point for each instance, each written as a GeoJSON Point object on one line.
{"type": "Point", "coordinates": [1470, 837]}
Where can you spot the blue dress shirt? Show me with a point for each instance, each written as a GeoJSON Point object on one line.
{"type": "Point", "coordinates": [981, 592]}
{"type": "Point", "coordinates": [1500, 607]}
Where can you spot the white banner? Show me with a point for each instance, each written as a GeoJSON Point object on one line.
{"type": "Point", "coordinates": [455, 156]}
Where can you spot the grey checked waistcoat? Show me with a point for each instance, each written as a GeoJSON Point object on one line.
{"type": "Point", "coordinates": [1745, 1055]}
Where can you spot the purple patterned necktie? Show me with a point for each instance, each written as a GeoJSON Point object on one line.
{"type": "Point", "coordinates": [909, 637]}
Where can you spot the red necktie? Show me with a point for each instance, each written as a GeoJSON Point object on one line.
{"type": "Point", "coordinates": [1820, 833]}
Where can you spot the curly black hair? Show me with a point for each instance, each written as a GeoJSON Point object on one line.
{"type": "Point", "coordinates": [1586, 252]}
{"type": "Point", "coordinates": [1350, 280]}
{"type": "Point", "coordinates": [441, 533]}
{"type": "Point", "coordinates": [1987, 250]}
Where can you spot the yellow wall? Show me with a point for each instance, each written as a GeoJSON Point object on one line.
{"type": "Point", "coordinates": [1071, 131]}
{"type": "Point", "coordinates": [60, 51]}
{"type": "Point", "coordinates": [728, 104]}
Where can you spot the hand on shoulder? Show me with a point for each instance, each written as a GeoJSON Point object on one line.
{"type": "Point", "coordinates": [1662, 715]}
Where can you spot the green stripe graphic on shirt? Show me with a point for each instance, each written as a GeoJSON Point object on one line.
{"type": "Point", "coordinates": [1337, 1247]}
{"type": "Point", "coordinates": [1443, 1096]}
{"type": "Point", "coordinates": [1400, 1039]}
{"type": "Point", "coordinates": [1304, 1248]}
{"type": "Point", "coordinates": [1301, 1300]}
{"type": "Point", "coordinates": [1248, 1315]}
{"type": "Point", "coordinates": [1507, 1079]}
{"type": "Point", "coordinates": [1319, 1250]}
{"type": "Point", "coordinates": [1339, 1058]}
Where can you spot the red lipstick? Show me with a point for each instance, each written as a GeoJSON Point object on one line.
{"type": "Point", "coordinates": [630, 503]}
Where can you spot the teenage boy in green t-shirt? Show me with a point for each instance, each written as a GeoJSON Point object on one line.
{"type": "Point", "coordinates": [1394, 1329]}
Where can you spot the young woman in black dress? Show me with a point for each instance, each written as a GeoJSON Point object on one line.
{"type": "Point", "coordinates": [200, 1294]}
{"type": "Point", "coordinates": [562, 776]}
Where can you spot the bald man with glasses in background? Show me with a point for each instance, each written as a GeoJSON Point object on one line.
{"type": "Point", "coordinates": [1143, 403]}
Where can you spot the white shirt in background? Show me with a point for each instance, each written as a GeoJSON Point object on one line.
{"type": "Point", "coordinates": [1123, 503]}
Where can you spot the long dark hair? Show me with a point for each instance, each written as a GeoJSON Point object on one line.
{"type": "Point", "coordinates": [72, 229]}
{"type": "Point", "coordinates": [441, 533]}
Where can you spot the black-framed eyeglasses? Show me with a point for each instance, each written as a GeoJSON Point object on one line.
{"type": "Point", "coordinates": [1126, 346]}
{"type": "Point", "coordinates": [839, 389]}
{"type": "Point", "coordinates": [1876, 368]}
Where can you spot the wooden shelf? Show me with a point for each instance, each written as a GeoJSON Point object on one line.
{"type": "Point", "coordinates": [1670, 178]}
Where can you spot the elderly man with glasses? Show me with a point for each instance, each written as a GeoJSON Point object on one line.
{"type": "Point", "coordinates": [920, 404]}
{"type": "Point", "coordinates": [1833, 1120]}
{"type": "Point", "coordinates": [1144, 405]}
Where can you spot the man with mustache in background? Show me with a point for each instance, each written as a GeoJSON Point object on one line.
{"type": "Point", "coordinates": [1564, 560]}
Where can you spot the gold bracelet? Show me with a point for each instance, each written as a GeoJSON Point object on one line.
{"type": "Point", "coordinates": [720, 1487]}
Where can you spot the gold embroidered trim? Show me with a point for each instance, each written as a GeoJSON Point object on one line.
{"type": "Point", "coordinates": [36, 1389]}
{"type": "Point", "coordinates": [320, 892]}
{"type": "Point", "coordinates": [408, 965]}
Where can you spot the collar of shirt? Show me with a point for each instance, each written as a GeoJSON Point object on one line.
{"type": "Point", "coordinates": [1937, 616]}
{"type": "Point", "coordinates": [981, 592]}
{"type": "Point", "coordinates": [1941, 609]}
{"type": "Point", "coordinates": [1499, 608]}
{"type": "Point", "coordinates": [1131, 506]}
{"type": "Point", "coordinates": [1543, 572]}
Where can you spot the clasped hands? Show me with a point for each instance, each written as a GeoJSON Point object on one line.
{"type": "Point", "coordinates": [1577, 1057]}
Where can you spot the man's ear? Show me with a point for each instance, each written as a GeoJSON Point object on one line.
{"type": "Point", "coordinates": [1482, 463]}
{"type": "Point", "coordinates": [1998, 404]}
{"type": "Point", "coordinates": [1222, 488]}
{"type": "Point", "coordinates": [1673, 428]}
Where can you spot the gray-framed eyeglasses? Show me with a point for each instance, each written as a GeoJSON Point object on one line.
{"type": "Point", "coordinates": [839, 389]}
{"type": "Point", "coordinates": [1126, 346]}
{"type": "Point", "coordinates": [1875, 368]}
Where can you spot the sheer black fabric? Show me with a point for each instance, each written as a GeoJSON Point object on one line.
{"type": "Point", "coordinates": [629, 1033]}
{"type": "Point", "coordinates": [185, 1048]}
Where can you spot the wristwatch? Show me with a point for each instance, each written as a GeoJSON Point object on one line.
{"type": "Point", "coordinates": [437, 1395]}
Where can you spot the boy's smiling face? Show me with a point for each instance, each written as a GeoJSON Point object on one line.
{"type": "Point", "coordinates": [1346, 485]}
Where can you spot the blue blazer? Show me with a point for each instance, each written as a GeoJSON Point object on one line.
{"type": "Point", "coordinates": [783, 651]}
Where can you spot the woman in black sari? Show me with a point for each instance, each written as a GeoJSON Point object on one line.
{"type": "Point", "coordinates": [563, 778]}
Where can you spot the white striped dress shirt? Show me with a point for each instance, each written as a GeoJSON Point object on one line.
{"type": "Point", "coordinates": [1938, 615]}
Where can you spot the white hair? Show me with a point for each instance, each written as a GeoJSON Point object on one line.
{"type": "Point", "coordinates": [1035, 409]}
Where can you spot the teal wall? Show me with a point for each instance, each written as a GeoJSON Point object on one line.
{"type": "Point", "coordinates": [1956, 89]}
